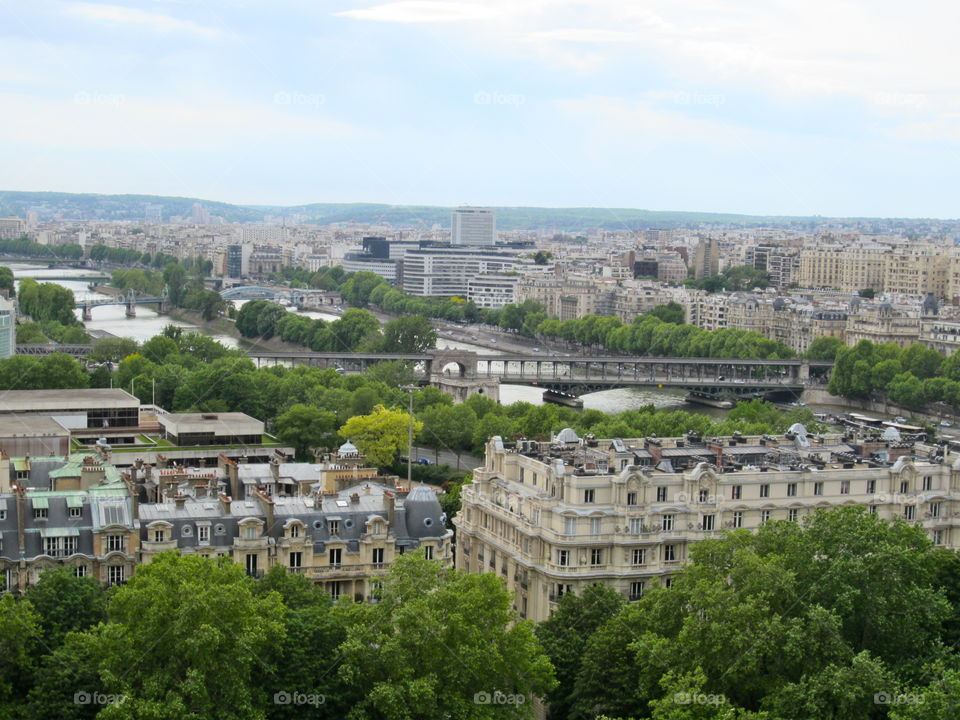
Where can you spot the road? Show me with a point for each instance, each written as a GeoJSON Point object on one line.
{"type": "Point", "coordinates": [467, 462]}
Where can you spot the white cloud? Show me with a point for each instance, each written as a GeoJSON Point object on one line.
{"type": "Point", "coordinates": [421, 11]}
{"type": "Point", "coordinates": [157, 22]}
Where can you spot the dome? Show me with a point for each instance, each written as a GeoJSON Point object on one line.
{"type": "Point", "coordinates": [567, 435]}
{"type": "Point", "coordinates": [779, 304]}
{"type": "Point", "coordinates": [424, 516]}
{"type": "Point", "coordinates": [348, 449]}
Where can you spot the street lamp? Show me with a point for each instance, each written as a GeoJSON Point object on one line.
{"type": "Point", "coordinates": [410, 389]}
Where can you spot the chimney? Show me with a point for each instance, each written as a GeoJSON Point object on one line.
{"type": "Point", "coordinates": [355, 498]}
{"type": "Point", "coordinates": [231, 467]}
{"type": "Point", "coordinates": [180, 500]}
{"type": "Point", "coordinates": [161, 462]}
{"type": "Point", "coordinates": [225, 501]}
{"type": "Point", "coordinates": [390, 502]}
{"type": "Point", "coordinates": [275, 469]}
{"type": "Point", "coordinates": [266, 504]}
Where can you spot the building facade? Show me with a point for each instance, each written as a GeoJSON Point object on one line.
{"type": "Point", "coordinates": [473, 226]}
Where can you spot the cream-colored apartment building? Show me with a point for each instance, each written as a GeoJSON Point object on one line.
{"type": "Point", "coordinates": [554, 517]}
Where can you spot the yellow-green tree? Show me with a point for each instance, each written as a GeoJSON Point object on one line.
{"type": "Point", "coordinates": [380, 435]}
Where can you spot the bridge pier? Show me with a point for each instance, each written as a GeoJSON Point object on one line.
{"type": "Point", "coordinates": [131, 310]}
{"type": "Point", "coordinates": [87, 313]}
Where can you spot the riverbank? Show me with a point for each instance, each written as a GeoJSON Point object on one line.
{"type": "Point", "coordinates": [226, 327]}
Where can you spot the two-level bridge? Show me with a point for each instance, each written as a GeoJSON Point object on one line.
{"type": "Point", "coordinates": [130, 300]}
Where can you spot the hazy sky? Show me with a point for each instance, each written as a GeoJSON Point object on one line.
{"type": "Point", "coordinates": [760, 106]}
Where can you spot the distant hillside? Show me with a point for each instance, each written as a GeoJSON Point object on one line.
{"type": "Point", "coordinates": [88, 206]}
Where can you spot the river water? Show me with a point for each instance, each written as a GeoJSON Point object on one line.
{"type": "Point", "coordinates": [113, 319]}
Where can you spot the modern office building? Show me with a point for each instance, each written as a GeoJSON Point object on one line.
{"type": "Point", "coordinates": [473, 226]}
{"type": "Point", "coordinates": [228, 428]}
{"type": "Point", "coordinates": [554, 517]}
{"type": "Point", "coordinates": [75, 409]}
{"type": "Point", "coordinates": [238, 260]}
{"type": "Point", "coordinates": [706, 258]}
{"type": "Point", "coordinates": [446, 271]}
{"type": "Point", "coordinates": [8, 328]}
{"type": "Point", "coordinates": [11, 228]}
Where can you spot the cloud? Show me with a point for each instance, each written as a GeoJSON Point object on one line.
{"type": "Point", "coordinates": [157, 22]}
{"type": "Point", "coordinates": [421, 11]}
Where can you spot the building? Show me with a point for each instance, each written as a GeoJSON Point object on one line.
{"type": "Point", "coordinates": [554, 517]}
{"type": "Point", "coordinates": [229, 428]}
{"type": "Point", "coordinates": [32, 435]}
{"type": "Point", "coordinates": [11, 228]}
{"type": "Point", "coordinates": [8, 328]}
{"type": "Point", "coordinates": [473, 226]}
{"type": "Point", "coordinates": [492, 290]}
{"type": "Point", "coordinates": [706, 258]}
{"type": "Point", "coordinates": [238, 260]}
{"type": "Point", "coordinates": [447, 271]}
{"type": "Point", "coordinates": [75, 409]}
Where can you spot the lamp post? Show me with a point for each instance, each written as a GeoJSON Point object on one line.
{"type": "Point", "coordinates": [410, 389]}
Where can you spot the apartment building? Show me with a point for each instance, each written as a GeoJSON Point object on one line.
{"type": "Point", "coordinates": [706, 258]}
{"type": "Point", "coordinates": [447, 271]}
{"type": "Point", "coordinates": [554, 517]}
{"type": "Point", "coordinates": [569, 297]}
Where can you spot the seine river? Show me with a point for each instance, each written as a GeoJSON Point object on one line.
{"type": "Point", "coordinates": [113, 319]}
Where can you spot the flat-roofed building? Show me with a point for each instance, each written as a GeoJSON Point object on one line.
{"type": "Point", "coordinates": [75, 409]}
{"type": "Point", "coordinates": [33, 435]}
{"type": "Point", "coordinates": [229, 428]}
{"type": "Point", "coordinates": [554, 517]}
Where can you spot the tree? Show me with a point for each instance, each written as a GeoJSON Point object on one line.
{"type": "Point", "coordinates": [824, 348]}
{"type": "Point", "coordinates": [392, 373]}
{"type": "Point", "coordinates": [408, 334]}
{"type": "Point", "coordinates": [68, 674]}
{"type": "Point", "coordinates": [672, 312]}
{"type": "Point", "coordinates": [562, 634]}
{"type": "Point", "coordinates": [20, 638]}
{"type": "Point", "coordinates": [59, 370]}
{"type": "Point", "coordinates": [542, 257]}
{"type": "Point", "coordinates": [113, 349]}
{"type": "Point", "coordinates": [7, 286]}
{"type": "Point", "coordinates": [206, 631]}
{"type": "Point", "coordinates": [380, 435]}
{"type": "Point", "coordinates": [436, 642]}
{"type": "Point", "coordinates": [450, 427]}
{"type": "Point", "coordinates": [868, 293]}
{"type": "Point", "coordinates": [66, 603]}
{"type": "Point", "coordinates": [305, 427]}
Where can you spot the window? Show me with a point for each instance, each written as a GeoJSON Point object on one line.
{"type": "Point", "coordinates": [871, 486]}
{"type": "Point", "coordinates": [219, 530]}
{"type": "Point", "coordinates": [738, 519]}
{"type": "Point", "coordinates": [250, 532]}
{"type": "Point", "coordinates": [631, 498]}
{"type": "Point", "coordinates": [493, 559]}
{"type": "Point", "coordinates": [377, 556]}
{"type": "Point", "coordinates": [588, 496]}
{"type": "Point", "coordinates": [295, 530]}
{"type": "Point", "coordinates": [334, 528]}
{"type": "Point", "coordinates": [661, 494]}
{"type": "Point", "coordinates": [428, 552]}
{"type": "Point", "coordinates": [735, 492]}
{"type": "Point", "coordinates": [844, 487]}
{"type": "Point", "coordinates": [114, 543]}
{"type": "Point", "coordinates": [905, 486]}
{"type": "Point", "coordinates": [704, 495]}
{"type": "Point", "coordinates": [928, 482]}
{"type": "Point", "coordinates": [596, 556]}
{"type": "Point", "coordinates": [765, 490]}
{"type": "Point", "coordinates": [296, 560]}
{"type": "Point", "coordinates": [335, 556]}
{"type": "Point", "coordinates": [668, 582]}
{"type": "Point", "coordinates": [158, 535]}
{"type": "Point", "coordinates": [335, 589]}
{"type": "Point", "coordinates": [909, 512]}
{"type": "Point", "coordinates": [594, 526]}
{"type": "Point", "coordinates": [938, 537]}
{"type": "Point", "coordinates": [791, 489]}
{"type": "Point", "coordinates": [792, 514]}
{"type": "Point", "coordinates": [6, 580]}
{"type": "Point", "coordinates": [709, 522]}
{"type": "Point", "coordinates": [935, 510]}
{"type": "Point", "coordinates": [251, 564]}
{"type": "Point", "coordinates": [818, 488]}
{"type": "Point", "coordinates": [186, 531]}
{"type": "Point", "coordinates": [521, 474]}
{"type": "Point", "coordinates": [636, 589]}
{"type": "Point", "coordinates": [569, 526]}
{"type": "Point", "coordinates": [3, 514]}
{"type": "Point", "coordinates": [59, 546]}
{"type": "Point", "coordinates": [669, 553]}
{"type": "Point", "coordinates": [667, 522]}
{"type": "Point", "coordinates": [203, 533]}
{"type": "Point", "coordinates": [639, 556]}
{"type": "Point", "coordinates": [873, 509]}
{"type": "Point", "coordinates": [563, 558]}
{"type": "Point", "coordinates": [636, 526]}
{"type": "Point", "coordinates": [764, 516]}
{"type": "Point", "coordinates": [80, 571]}
{"type": "Point", "coordinates": [39, 513]}
{"type": "Point", "coordinates": [76, 512]}
{"type": "Point", "coordinates": [115, 575]}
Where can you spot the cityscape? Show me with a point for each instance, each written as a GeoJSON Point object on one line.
{"type": "Point", "coordinates": [555, 360]}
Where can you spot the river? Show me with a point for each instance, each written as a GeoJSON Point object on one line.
{"type": "Point", "coordinates": [147, 323]}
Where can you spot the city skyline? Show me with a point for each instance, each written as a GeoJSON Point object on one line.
{"type": "Point", "coordinates": [729, 107]}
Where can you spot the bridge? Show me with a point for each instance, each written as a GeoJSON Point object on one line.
{"type": "Point", "coordinates": [131, 300]}
{"type": "Point", "coordinates": [707, 377]}
{"type": "Point", "coordinates": [285, 296]}
{"type": "Point", "coordinates": [78, 351]}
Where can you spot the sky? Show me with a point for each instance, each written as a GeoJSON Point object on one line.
{"type": "Point", "coordinates": [792, 107]}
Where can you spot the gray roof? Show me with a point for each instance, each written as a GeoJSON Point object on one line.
{"type": "Point", "coordinates": [45, 400]}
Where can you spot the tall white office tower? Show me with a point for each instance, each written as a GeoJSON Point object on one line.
{"type": "Point", "coordinates": [473, 226]}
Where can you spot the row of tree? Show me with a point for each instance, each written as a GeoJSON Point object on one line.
{"type": "Point", "coordinates": [189, 638]}
{"type": "Point", "coordinates": [25, 247]}
{"type": "Point", "coordinates": [911, 377]}
{"type": "Point", "coordinates": [356, 331]}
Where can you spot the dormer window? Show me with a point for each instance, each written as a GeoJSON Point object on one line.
{"type": "Point", "coordinates": [295, 530]}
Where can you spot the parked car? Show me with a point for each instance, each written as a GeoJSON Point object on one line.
{"type": "Point", "coordinates": [424, 461]}
{"type": "Point", "coordinates": [944, 423]}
